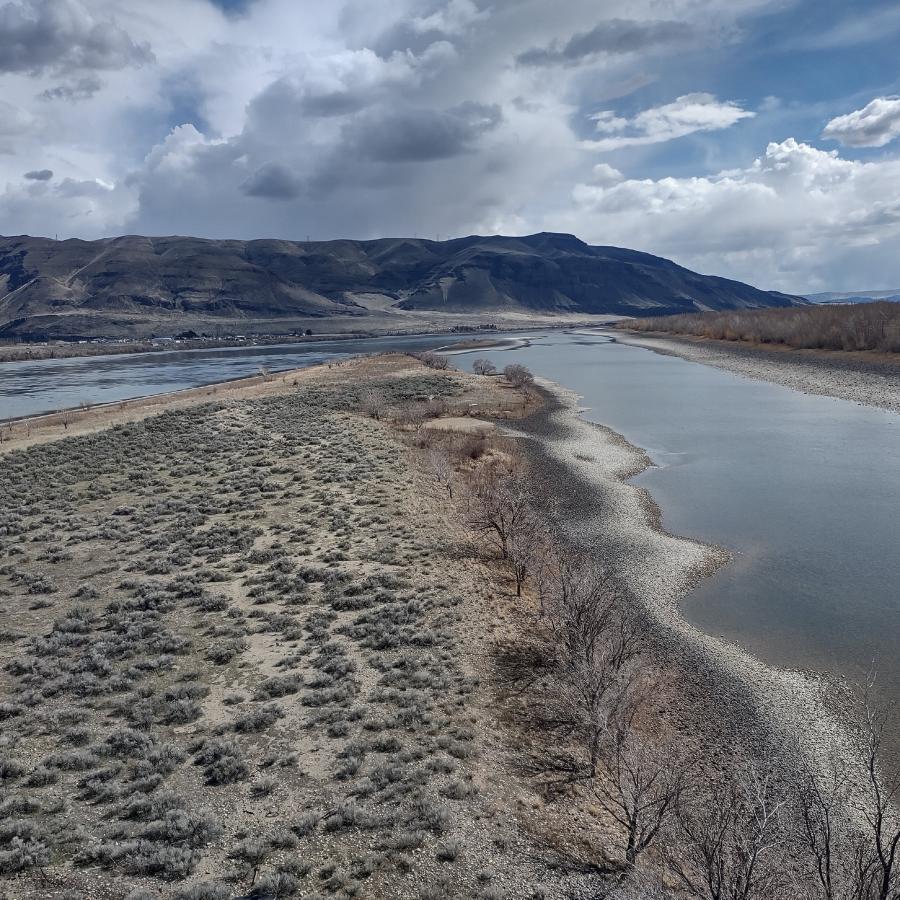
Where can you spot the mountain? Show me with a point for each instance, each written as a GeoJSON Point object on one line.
{"type": "Point", "coordinates": [835, 297]}
{"type": "Point", "coordinates": [134, 286]}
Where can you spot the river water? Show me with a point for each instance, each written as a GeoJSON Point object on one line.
{"type": "Point", "coordinates": [36, 386]}
{"type": "Point", "coordinates": [804, 490]}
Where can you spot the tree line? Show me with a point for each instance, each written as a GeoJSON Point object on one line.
{"type": "Point", "coordinates": [862, 326]}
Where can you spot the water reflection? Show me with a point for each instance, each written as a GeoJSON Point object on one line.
{"type": "Point", "coordinates": [805, 490]}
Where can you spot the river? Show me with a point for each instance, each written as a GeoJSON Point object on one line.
{"type": "Point", "coordinates": [803, 490]}
{"type": "Point", "coordinates": [36, 386]}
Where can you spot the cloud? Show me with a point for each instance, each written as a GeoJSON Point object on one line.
{"type": "Point", "coordinates": [613, 37]}
{"type": "Point", "coordinates": [62, 36]}
{"type": "Point", "coordinates": [88, 207]}
{"type": "Point", "coordinates": [39, 175]}
{"type": "Point", "coordinates": [361, 118]}
{"type": "Point", "coordinates": [605, 175]}
{"type": "Point", "coordinates": [85, 187]}
{"type": "Point", "coordinates": [862, 26]}
{"type": "Point", "coordinates": [796, 216]}
{"type": "Point", "coordinates": [14, 121]}
{"type": "Point", "coordinates": [233, 7]}
{"type": "Point", "coordinates": [419, 135]}
{"type": "Point", "coordinates": [454, 18]}
{"type": "Point", "coordinates": [875, 125]}
{"type": "Point", "coordinates": [272, 181]}
{"type": "Point", "coordinates": [81, 89]}
{"type": "Point", "coordinates": [688, 114]}
{"type": "Point", "coordinates": [341, 83]}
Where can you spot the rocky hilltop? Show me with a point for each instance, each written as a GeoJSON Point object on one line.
{"type": "Point", "coordinates": [133, 286]}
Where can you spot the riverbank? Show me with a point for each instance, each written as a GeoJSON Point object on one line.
{"type": "Point", "coordinates": [871, 379]}
{"type": "Point", "coordinates": [741, 711]}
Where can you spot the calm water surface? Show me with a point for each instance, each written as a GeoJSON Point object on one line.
{"type": "Point", "coordinates": [804, 490]}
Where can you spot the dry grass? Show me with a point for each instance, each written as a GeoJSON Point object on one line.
{"type": "Point", "coordinates": [234, 656]}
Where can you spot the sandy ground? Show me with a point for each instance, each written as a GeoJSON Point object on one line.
{"type": "Point", "coordinates": [868, 379]}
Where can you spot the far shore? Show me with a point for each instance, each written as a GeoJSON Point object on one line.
{"type": "Point", "coordinates": [477, 334]}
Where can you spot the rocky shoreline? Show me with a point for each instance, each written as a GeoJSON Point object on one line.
{"type": "Point", "coordinates": [731, 703]}
{"type": "Point", "coordinates": [857, 377]}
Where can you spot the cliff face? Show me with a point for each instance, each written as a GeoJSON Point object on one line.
{"type": "Point", "coordinates": [129, 284]}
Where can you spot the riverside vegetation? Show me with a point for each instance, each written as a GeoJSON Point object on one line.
{"type": "Point", "coordinates": [855, 327]}
{"type": "Point", "coordinates": [319, 643]}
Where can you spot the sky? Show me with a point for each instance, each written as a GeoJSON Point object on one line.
{"type": "Point", "coordinates": [755, 139]}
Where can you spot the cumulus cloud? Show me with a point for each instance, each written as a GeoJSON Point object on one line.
{"type": "Point", "coordinates": [86, 207]}
{"type": "Point", "coordinates": [454, 18]}
{"type": "Point", "coordinates": [875, 125]}
{"type": "Point", "coordinates": [419, 135]}
{"type": "Point", "coordinates": [343, 82]}
{"type": "Point", "coordinates": [39, 175]}
{"type": "Point", "coordinates": [685, 115]}
{"type": "Point", "coordinates": [61, 36]}
{"type": "Point", "coordinates": [606, 175]}
{"type": "Point", "coordinates": [614, 36]}
{"type": "Point", "coordinates": [362, 118]}
{"type": "Point", "coordinates": [796, 208]}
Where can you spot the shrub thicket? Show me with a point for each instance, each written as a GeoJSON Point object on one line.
{"type": "Point", "coordinates": [865, 326]}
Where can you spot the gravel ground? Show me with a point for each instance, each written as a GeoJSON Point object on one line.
{"type": "Point", "coordinates": [847, 376]}
{"type": "Point", "coordinates": [733, 702]}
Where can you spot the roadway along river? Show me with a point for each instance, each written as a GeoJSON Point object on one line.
{"type": "Point", "coordinates": [804, 490]}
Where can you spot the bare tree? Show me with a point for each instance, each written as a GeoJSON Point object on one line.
{"type": "Point", "coordinates": [527, 548]}
{"type": "Point", "coordinates": [482, 366]}
{"type": "Point", "coordinates": [641, 785]}
{"type": "Point", "coordinates": [433, 360]}
{"type": "Point", "coordinates": [440, 471]}
{"type": "Point", "coordinates": [731, 841]}
{"type": "Point", "coordinates": [517, 375]}
{"type": "Point", "coordinates": [499, 508]}
{"type": "Point", "coordinates": [372, 402]}
{"type": "Point", "coordinates": [878, 864]}
{"type": "Point", "coordinates": [822, 797]}
{"type": "Point", "coordinates": [409, 415]}
{"type": "Point", "coordinates": [593, 644]}
{"type": "Point", "coordinates": [435, 407]}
